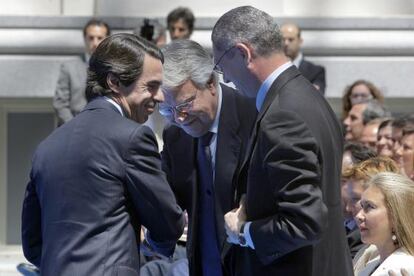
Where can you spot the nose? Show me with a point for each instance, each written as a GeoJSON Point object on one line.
{"type": "Point", "coordinates": [159, 96]}
{"type": "Point", "coordinates": [359, 217]}
{"type": "Point", "coordinates": [348, 206]}
{"type": "Point", "coordinates": [179, 117]}
{"type": "Point", "coordinates": [382, 141]}
{"type": "Point", "coordinates": [347, 121]}
{"type": "Point", "coordinates": [175, 33]}
{"type": "Point", "coordinates": [399, 151]}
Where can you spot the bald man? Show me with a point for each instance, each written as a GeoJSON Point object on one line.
{"type": "Point", "coordinates": [292, 42]}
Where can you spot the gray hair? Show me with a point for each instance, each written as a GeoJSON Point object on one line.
{"type": "Point", "coordinates": [250, 26]}
{"type": "Point", "coordinates": [187, 60]}
{"type": "Point", "coordinates": [373, 111]}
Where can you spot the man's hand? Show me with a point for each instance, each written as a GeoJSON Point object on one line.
{"type": "Point", "coordinates": [233, 221]}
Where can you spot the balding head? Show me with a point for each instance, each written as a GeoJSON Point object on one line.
{"type": "Point", "coordinates": [292, 40]}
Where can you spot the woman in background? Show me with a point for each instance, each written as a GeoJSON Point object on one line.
{"type": "Point", "coordinates": [358, 92]}
{"type": "Point", "coordinates": [386, 221]}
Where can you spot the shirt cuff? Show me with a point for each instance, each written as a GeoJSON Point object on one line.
{"type": "Point", "coordinates": [247, 236]}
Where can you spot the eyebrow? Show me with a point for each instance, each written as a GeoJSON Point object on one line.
{"type": "Point", "coordinates": [154, 82]}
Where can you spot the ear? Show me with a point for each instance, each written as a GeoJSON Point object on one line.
{"type": "Point", "coordinates": [113, 83]}
{"type": "Point", "coordinates": [211, 84]}
{"type": "Point", "coordinates": [246, 52]}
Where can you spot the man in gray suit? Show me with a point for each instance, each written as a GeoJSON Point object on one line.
{"type": "Point", "coordinates": [69, 97]}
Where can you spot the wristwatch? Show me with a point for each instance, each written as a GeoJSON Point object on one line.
{"type": "Point", "coordinates": [242, 238]}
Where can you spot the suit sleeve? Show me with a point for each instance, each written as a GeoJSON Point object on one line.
{"type": "Point", "coordinates": [289, 154]}
{"type": "Point", "coordinates": [319, 79]}
{"type": "Point", "coordinates": [61, 100]}
{"type": "Point", "coordinates": [147, 185]}
{"type": "Point", "coordinates": [31, 225]}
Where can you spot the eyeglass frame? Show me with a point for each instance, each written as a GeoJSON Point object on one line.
{"type": "Point", "coordinates": [178, 109]}
{"type": "Point", "coordinates": [216, 68]}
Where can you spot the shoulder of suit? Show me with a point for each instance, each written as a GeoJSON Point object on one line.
{"type": "Point", "coordinates": [310, 64]}
{"type": "Point", "coordinates": [248, 105]}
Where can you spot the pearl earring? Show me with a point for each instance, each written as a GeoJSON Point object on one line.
{"type": "Point", "coordinates": [394, 238]}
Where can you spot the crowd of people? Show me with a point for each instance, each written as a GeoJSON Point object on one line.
{"type": "Point", "coordinates": [264, 178]}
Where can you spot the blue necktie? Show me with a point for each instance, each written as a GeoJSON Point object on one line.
{"type": "Point", "coordinates": [209, 249]}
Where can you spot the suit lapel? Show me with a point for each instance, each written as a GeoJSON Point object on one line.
{"type": "Point", "coordinates": [274, 90]}
{"type": "Point", "coordinates": [227, 158]}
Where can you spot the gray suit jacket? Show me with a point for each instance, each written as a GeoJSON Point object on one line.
{"type": "Point", "coordinates": [69, 97]}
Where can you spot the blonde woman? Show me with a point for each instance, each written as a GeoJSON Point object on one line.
{"type": "Point", "coordinates": [386, 221]}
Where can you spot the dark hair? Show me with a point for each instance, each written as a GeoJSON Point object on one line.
{"type": "Point", "coordinates": [374, 110]}
{"type": "Point", "coordinates": [409, 125]}
{"type": "Point", "coordinates": [385, 123]}
{"type": "Point", "coordinates": [96, 22]}
{"type": "Point", "coordinates": [181, 13]}
{"type": "Point", "coordinates": [121, 55]}
{"type": "Point", "coordinates": [359, 152]}
{"type": "Point", "coordinates": [346, 98]}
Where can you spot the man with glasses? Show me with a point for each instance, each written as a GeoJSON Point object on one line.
{"type": "Point", "coordinates": [289, 221]}
{"type": "Point", "coordinates": [203, 148]}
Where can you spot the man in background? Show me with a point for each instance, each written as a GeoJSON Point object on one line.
{"type": "Point", "coordinates": [69, 97]}
{"type": "Point", "coordinates": [292, 41]}
{"type": "Point", "coordinates": [180, 23]}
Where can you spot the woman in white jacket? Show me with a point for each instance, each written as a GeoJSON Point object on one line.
{"type": "Point", "coordinates": [386, 221]}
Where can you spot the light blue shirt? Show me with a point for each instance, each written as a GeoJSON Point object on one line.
{"type": "Point", "coordinates": [264, 88]}
{"type": "Point", "coordinates": [261, 95]}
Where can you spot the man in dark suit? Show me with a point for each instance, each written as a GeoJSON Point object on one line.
{"type": "Point", "coordinates": [97, 178]}
{"type": "Point", "coordinates": [289, 222]}
{"type": "Point", "coordinates": [198, 106]}
{"type": "Point", "coordinates": [69, 98]}
{"type": "Point", "coordinates": [292, 41]}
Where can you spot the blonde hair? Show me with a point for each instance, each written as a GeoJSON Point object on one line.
{"type": "Point", "coordinates": [370, 167]}
{"type": "Point", "coordinates": [398, 191]}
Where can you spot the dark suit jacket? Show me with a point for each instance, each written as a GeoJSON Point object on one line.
{"type": "Point", "coordinates": [94, 181]}
{"type": "Point", "coordinates": [291, 178]}
{"type": "Point", "coordinates": [314, 73]}
{"type": "Point", "coordinates": [180, 163]}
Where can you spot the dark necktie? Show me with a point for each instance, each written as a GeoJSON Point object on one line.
{"type": "Point", "coordinates": [209, 248]}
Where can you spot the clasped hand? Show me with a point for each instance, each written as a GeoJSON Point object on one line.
{"type": "Point", "coordinates": [233, 221]}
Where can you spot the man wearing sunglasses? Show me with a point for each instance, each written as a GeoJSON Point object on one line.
{"type": "Point", "coordinates": [204, 144]}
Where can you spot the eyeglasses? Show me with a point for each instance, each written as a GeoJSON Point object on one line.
{"type": "Point", "coordinates": [216, 66]}
{"type": "Point", "coordinates": [181, 109]}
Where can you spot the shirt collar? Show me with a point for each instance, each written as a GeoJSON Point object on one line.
{"type": "Point", "coordinates": [264, 88]}
{"type": "Point", "coordinates": [115, 104]}
{"type": "Point", "coordinates": [298, 60]}
{"type": "Point", "coordinates": [214, 126]}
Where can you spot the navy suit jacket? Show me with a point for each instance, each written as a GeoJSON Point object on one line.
{"type": "Point", "coordinates": [94, 181]}
{"type": "Point", "coordinates": [314, 73]}
{"type": "Point", "coordinates": [179, 159]}
{"type": "Point", "coordinates": [291, 178]}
